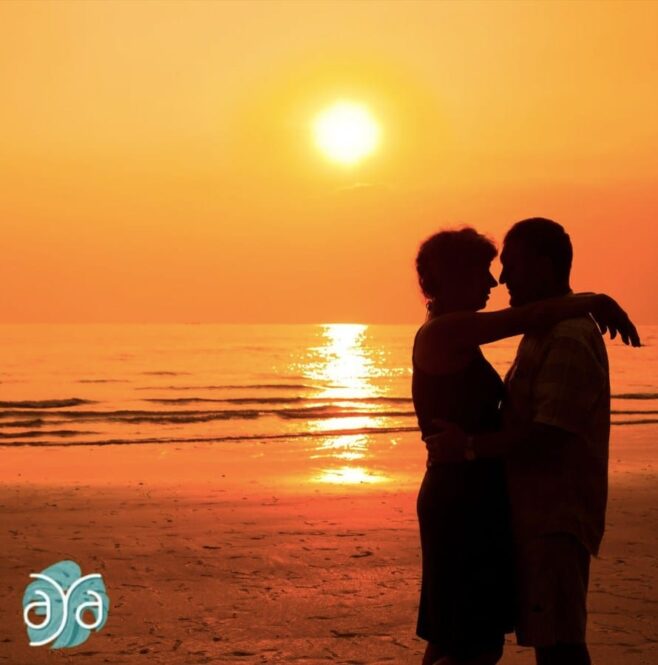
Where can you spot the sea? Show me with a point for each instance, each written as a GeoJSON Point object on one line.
{"type": "Point", "coordinates": [93, 385]}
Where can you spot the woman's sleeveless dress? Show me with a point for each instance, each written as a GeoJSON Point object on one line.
{"type": "Point", "coordinates": [467, 593]}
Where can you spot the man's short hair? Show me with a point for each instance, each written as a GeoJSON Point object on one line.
{"type": "Point", "coordinates": [547, 238]}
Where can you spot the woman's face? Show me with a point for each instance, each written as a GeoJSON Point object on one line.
{"type": "Point", "coordinates": [477, 286]}
{"type": "Point", "coordinates": [467, 289]}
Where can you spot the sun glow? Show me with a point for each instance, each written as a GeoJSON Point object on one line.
{"type": "Point", "coordinates": [346, 132]}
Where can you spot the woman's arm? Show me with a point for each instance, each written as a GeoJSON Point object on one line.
{"type": "Point", "coordinates": [459, 330]}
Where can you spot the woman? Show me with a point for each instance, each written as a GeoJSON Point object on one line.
{"type": "Point", "coordinates": [466, 601]}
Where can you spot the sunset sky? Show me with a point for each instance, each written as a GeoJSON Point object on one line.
{"type": "Point", "coordinates": [158, 161]}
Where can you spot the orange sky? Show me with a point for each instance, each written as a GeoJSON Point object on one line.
{"type": "Point", "coordinates": [156, 162]}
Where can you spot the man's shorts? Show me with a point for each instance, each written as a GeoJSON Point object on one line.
{"type": "Point", "coordinates": [552, 581]}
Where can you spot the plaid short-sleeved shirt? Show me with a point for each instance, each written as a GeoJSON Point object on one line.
{"type": "Point", "coordinates": [560, 377]}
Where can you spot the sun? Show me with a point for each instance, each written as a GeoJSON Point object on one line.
{"type": "Point", "coordinates": [346, 132]}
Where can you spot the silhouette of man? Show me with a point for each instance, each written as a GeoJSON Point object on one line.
{"type": "Point", "coordinates": [558, 391]}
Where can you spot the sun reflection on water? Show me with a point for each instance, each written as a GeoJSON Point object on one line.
{"type": "Point", "coordinates": [344, 366]}
{"type": "Point", "coordinates": [350, 447]}
{"type": "Point", "coordinates": [345, 370]}
{"type": "Point", "coordinates": [349, 476]}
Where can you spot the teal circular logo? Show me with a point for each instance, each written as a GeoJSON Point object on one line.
{"type": "Point", "coordinates": [61, 595]}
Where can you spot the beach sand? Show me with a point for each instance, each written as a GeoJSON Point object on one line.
{"type": "Point", "coordinates": [230, 554]}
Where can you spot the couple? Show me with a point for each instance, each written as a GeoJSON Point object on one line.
{"type": "Point", "coordinates": [512, 504]}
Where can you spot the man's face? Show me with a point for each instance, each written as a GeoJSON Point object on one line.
{"type": "Point", "coordinates": [522, 273]}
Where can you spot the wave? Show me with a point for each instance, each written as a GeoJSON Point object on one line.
{"type": "Point", "coordinates": [254, 386]}
{"type": "Point", "coordinates": [35, 422]}
{"type": "Point", "coordinates": [321, 412]}
{"type": "Point", "coordinates": [27, 414]}
{"type": "Point", "coordinates": [229, 400]}
{"type": "Point", "coordinates": [103, 381]}
{"type": "Point", "coordinates": [31, 434]}
{"type": "Point", "coordinates": [277, 400]}
{"type": "Point", "coordinates": [45, 404]}
{"type": "Point", "coordinates": [165, 373]}
{"type": "Point", "coordinates": [24, 439]}
{"type": "Point", "coordinates": [218, 439]}
{"type": "Point", "coordinates": [127, 416]}
{"type": "Point", "coordinates": [315, 412]}
{"type": "Point", "coordinates": [635, 396]}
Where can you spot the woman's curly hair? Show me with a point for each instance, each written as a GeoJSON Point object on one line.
{"type": "Point", "coordinates": [447, 256]}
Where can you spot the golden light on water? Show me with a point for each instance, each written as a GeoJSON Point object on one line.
{"type": "Point", "coordinates": [342, 446]}
{"type": "Point", "coordinates": [349, 476]}
{"type": "Point", "coordinates": [344, 365]}
{"type": "Point", "coordinates": [346, 369]}
{"type": "Point", "coordinates": [346, 132]}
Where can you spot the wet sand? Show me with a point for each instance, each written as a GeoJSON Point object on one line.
{"type": "Point", "coordinates": [204, 564]}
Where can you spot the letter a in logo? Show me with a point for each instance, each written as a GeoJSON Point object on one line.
{"type": "Point", "coordinates": [61, 595]}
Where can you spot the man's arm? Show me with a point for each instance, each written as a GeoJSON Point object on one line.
{"type": "Point", "coordinates": [500, 444]}
{"type": "Point", "coordinates": [452, 443]}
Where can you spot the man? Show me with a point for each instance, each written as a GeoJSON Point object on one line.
{"type": "Point", "coordinates": [558, 390]}
{"type": "Point", "coordinates": [557, 422]}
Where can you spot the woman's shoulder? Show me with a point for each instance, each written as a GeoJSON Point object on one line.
{"type": "Point", "coordinates": [435, 356]}
{"type": "Point", "coordinates": [434, 330]}
{"type": "Point", "coordinates": [422, 339]}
